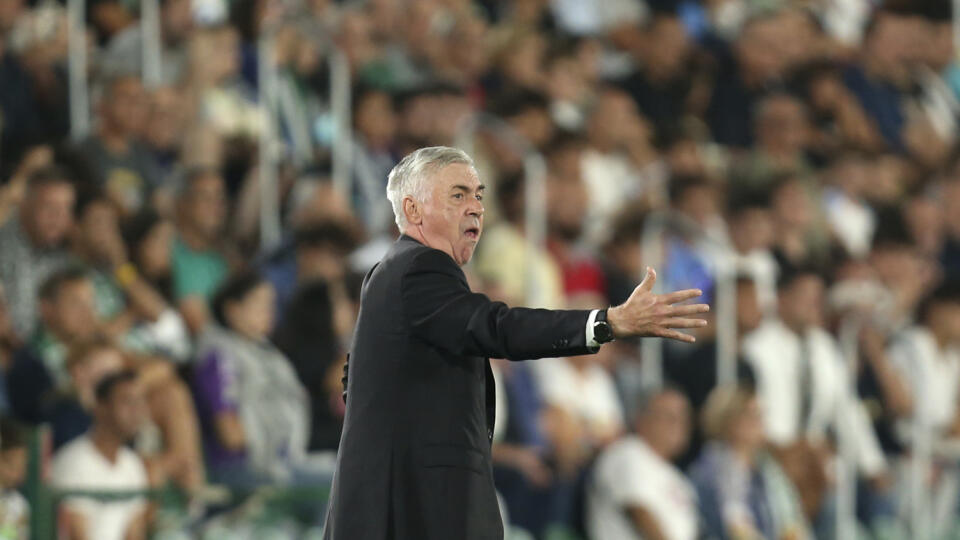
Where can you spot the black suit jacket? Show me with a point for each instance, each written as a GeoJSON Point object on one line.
{"type": "Point", "coordinates": [414, 458]}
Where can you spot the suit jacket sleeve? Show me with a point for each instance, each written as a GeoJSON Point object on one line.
{"type": "Point", "coordinates": [441, 310]}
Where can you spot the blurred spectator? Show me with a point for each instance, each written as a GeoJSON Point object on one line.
{"type": "Point", "coordinates": [851, 218]}
{"type": "Point", "coordinates": [621, 262]}
{"type": "Point", "coordinates": [566, 212]}
{"type": "Point", "coordinates": [620, 164]}
{"type": "Point", "coordinates": [149, 243]}
{"type": "Point", "coordinates": [167, 121]}
{"type": "Point", "coordinates": [696, 372]}
{"type": "Point", "coordinates": [317, 317]}
{"type": "Point", "coordinates": [255, 410]}
{"type": "Point", "coordinates": [32, 244]}
{"type": "Point", "coordinates": [319, 253]}
{"type": "Point", "coordinates": [100, 460]}
{"type": "Point", "coordinates": [801, 236]}
{"type": "Point", "coordinates": [838, 120]}
{"type": "Point", "coordinates": [880, 77]}
{"type": "Point", "coordinates": [131, 309]}
{"type": "Point", "coordinates": [695, 205]}
{"type": "Point", "coordinates": [522, 458]}
{"type": "Point", "coordinates": [124, 53]}
{"type": "Point", "coordinates": [122, 166]}
{"type": "Point", "coordinates": [309, 339]}
{"type": "Point", "coordinates": [744, 494]}
{"type": "Point", "coordinates": [222, 96]}
{"type": "Point", "coordinates": [802, 381]}
{"type": "Point", "coordinates": [904, 274]}
{"type": "Point", "coordinates": [663, 83]}
{"type": "Point", "coordinates": [636, 492]}
{"type": "Point", "coordinates": [375, 122]}
{"type": "Point", "coordinates": [568, 84]}
{"type": "Point", "coordinates": [503, 258]}
{"type": "Point", "coordinates": [14, 508]}
{"type": "Point", "coordinates": [756, 63]}
{"type": "Point", "coordinates": [926, 360]}
{"type": "Point", "coordinates": [582, 411]}
{"type": "Point", "coordinates": [176, 455]}
{"type": "Point", "coordinates": [782, 131]}
{"type": "Point", "coordinates": [198, 260]}
{"type": "Point", "coordinates": [750, 228]}
{"type": "Point", "coordinates": [924, 214]}
{"type": "Point", "coordinates": [33, 96]}
{"type": "Point", "coordinates": [39, 371]}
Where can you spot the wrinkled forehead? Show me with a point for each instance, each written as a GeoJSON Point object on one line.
{"type": "Point", "coordinates": [450, 176]}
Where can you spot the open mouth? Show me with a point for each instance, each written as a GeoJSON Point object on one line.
{"type": "Point", "coordinates": [472, 233]}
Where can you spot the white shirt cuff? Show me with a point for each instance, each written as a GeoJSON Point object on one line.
{"type": "Point", "coordinates": [592, 343]}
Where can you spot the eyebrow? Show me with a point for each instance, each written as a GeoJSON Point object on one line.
{"type": "Point", "coordinates": [467, 189]}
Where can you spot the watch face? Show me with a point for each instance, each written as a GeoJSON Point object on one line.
{"type": "Point", "coordinates": [602, 331]}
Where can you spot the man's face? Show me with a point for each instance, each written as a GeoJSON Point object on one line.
{"type": "Point", "coordinates": [451, 218]}
{"type": "Point", "coordinates": [782, 127]}
{"type": "Point", "coordinates": [752, 229]}
{"type": "Point", "coordinates": [166, 119]}
{"type": "Point", "coordinates": [801, 303]}
{"type": "Point", "coordinates": [72, 314]}
{"type": "Point", "coordinates": [126, 109]}
{"type": "Point", "coordinates": [253, 315]}
{"type": "Point", "coordinates": [99, 230]}
{"type": "Point", "coordinates": [13, 467]}
{"type": "Point", "coordinates": [376, 119]}
{"type": "Point", "coordinates": [124, 410]}
{"type": "Point", "coordinates": [49, 214]}
{"type": "Point", "coordinates": [667, 423]}
{"type": "Point", "coordinates": [670, 48]}
{"type": "Point", "coordinates": [206, 204]}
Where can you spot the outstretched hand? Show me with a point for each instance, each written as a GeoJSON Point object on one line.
{"type": "Point", "coordinates": [646, 314]}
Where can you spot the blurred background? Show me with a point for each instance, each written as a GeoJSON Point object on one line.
{"type": "Point", "coordinates": [192, 190]}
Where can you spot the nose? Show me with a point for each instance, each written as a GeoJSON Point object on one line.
{"type": "Point", "coordinates": [475, 209]}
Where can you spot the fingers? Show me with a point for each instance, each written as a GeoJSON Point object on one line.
{"type": "Point", "coordinates": [648, 280]}
{"type": "Point", "coordinates": [677, 322]}
{"type": "Point", "coordinates": [679, 336]}
{"type": "Point", "coordinates": [680, 296]}
{"type": "Point", "coordinates": [691, 309]}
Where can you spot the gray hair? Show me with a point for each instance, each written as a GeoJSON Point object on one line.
{"type": "Point", "coordinates": [408, 178]}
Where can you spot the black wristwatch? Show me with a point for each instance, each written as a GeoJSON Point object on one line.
{"type": "Point", "coordinates": [602, 331]}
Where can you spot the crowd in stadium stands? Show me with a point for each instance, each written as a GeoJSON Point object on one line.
{"type": "Point", "coordinates": [154, 338]}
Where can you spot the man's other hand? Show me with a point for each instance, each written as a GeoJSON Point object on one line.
{"type": "Point", "coordinates": [646, 314]}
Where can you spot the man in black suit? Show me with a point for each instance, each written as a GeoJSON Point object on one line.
{"type": "Point", "coordinates": [414, 457]}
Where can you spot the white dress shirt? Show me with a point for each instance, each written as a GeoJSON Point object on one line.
{"type": "Point", "coordinates": [776, 354]}
{"type": "Point", "coordinates": [933, 375]}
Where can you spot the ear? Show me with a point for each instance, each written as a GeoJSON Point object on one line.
{"type": "Point", "coordinates": [413, 211]}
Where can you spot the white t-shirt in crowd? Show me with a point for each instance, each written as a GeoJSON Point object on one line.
{"type": "Point", "coordinates": [589, 394]}
{"type": "Point", "coordinates": [80, 466]}
{"type": "Point", "coordinates": [628, 473]}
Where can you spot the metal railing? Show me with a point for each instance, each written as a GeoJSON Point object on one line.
{"type": "Point", "coordinates": [535, 192]}
{"type": "Point", "coordinates": [77, 69]}
{"type": "Point", "coordinates": [151, 43]}
{"type": "Point", "coordinates": [846, 521]}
